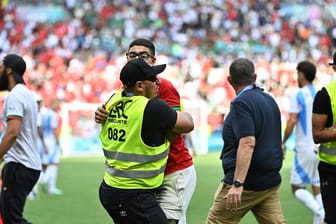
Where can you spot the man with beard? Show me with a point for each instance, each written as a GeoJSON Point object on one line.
{"type": "Point", "coordinates": [18, 147]}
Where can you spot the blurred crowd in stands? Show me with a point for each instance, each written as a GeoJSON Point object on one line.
{"type": "Point", "coordinates": [75, 48]}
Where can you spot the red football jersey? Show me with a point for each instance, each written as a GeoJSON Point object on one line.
{"type": "Point", "coordinates": [179, 156]}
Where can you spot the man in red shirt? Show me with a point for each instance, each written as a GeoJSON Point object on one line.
{"type": "Point", "coordinates": [180, 175]}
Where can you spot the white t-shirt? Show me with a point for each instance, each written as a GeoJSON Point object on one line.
{"type": "Point", "coordinates": [301, 103]}
{"type": "Point", "coordinates": [20, 102]}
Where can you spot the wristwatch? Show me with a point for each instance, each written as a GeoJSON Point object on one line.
{"type": "Point", "coordinates": [237, 183]}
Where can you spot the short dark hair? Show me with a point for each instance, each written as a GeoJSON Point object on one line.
{"type": "Point", "coordinates": [138, 70]}
{"type": "Point", "coordinates": [242, 72]}
{"type": "Point", "coordinates": [308, 69]}
{"type": "Point", "coordinates": [143, 42]}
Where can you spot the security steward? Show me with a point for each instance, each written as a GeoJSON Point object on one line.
{"type": "Point", "coordinates": [324, 132]}
{"type": "Point", "coordinates": [135, 140]}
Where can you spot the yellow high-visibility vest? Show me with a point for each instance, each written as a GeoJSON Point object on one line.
{"type": "Point", "coordinates": [130, 163]}
{"type": "Point", "coordinates": [327, 150]}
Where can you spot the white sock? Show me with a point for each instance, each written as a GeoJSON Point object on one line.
{"type": "Point", "coordinates": [35, 189]}
{"type": "Point", "coordinates": [53, 169]}
{"type": "Point", "coordinates": [308, 200]}
{"type": "Point", "coordinates": [41, 178]}
{"type": "Point", "coordinates": [45, 177]}
{"type": "Point", "coordinates": [318, 198]}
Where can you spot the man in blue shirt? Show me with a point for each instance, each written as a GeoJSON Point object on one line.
{"type": "Point", "coordinates": [252, 154]}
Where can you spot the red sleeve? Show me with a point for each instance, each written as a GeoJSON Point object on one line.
{"type": "Point", "coordinates": [179, 157]}
{"type": "Point", "coordinates": [168, 93]}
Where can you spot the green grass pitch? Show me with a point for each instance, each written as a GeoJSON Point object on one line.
{"type": "Point", "coordinates": [80, 178]}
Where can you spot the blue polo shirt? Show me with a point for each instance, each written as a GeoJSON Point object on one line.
{"type": "Point", "coordinates": [254, 113]}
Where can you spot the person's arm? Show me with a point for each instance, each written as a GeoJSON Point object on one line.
{"type": "Point", "coordinates": [323, 129]}
{"type": "Point", "coordinates": [244, 156]}
{"type": "Point", "coordinates": [292, 119]}
{"type": "Point", "coordinates": [320, 132]}
{"type": "Point", "coordinates": [101, 114]}
{"type": "Point", "coordinates": [290, 126]}
{"type": "Point", "coordinates": [12, 132]}
{"type": "Point", "coordinates": [170, 95]}
{"type": "Point", "coordinates": [56, 136]}
{"type": "Point", "coordinates": [40, 133]}
{"type": "Point", "coordinates": [184, 123]}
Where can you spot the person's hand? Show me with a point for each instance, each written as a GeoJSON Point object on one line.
{"type": "Point", "coordinates": [101, 114]}
{"type": "Point", "coordinates": [283, 146]}
{"type": "Point", "coordinates": [46, 151]}
{"type": "Point", "coordinates": [193, 152]}
{"type": "Point", "coordinates": [171, 136]}
{"type": "Point", "coordinates": [233, 198]}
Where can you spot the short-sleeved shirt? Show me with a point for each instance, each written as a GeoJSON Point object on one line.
{"type": "Point", "coordinates": [179, 156]}
{"type": "Point", "coordinates": [301, 103]}
{"type": "Point", "coordinates": [254, 113]}
{"type": "Point", "coordinates": [20, 102]}
{"type": "Point", "coordinates": [322, 105]}
{"type": "Point", "coordinates": [154, 126]}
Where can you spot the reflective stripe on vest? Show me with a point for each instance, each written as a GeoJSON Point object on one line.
{"type": "Point", "coordinates": [134, 174]}
{"type": "Point", "coordinates": [134, 157]}
{"type": "Point", "coordinates": [326, 150]}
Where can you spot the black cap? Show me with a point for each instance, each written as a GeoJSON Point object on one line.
{"type": "Point", "coordinates": [334, 60]}
{"type": "Point", "coordinates": [138, 70]}
{"type": "Point", "coordinates": [17, 64]}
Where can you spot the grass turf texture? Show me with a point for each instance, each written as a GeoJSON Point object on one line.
{"type": "Point", "coordinates": [80, 178]}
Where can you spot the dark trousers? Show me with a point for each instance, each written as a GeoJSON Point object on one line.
{"type": "Point", "coordinates": [17, 182]}
{"type": "Point", "coordinates": [327, 174]}
{"type": "Point", "coordinates": [131, 206]}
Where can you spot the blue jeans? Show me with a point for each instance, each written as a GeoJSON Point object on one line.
{"type": "Point", "coordinates": [131, 206]}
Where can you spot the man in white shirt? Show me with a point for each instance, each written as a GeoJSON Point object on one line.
{"type": "Point", "coordinates": [18, 147]}
{"type": "Point", "coordinates": [304, 170]}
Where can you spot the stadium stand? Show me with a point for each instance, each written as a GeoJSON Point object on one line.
{"type": "Point", "coordinates": [75, 49]}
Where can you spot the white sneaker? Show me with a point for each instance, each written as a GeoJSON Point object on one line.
{"type": "Point", "coordinates": [32, 195]}
{"type": "Point", "coordinates": [55, 191]}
